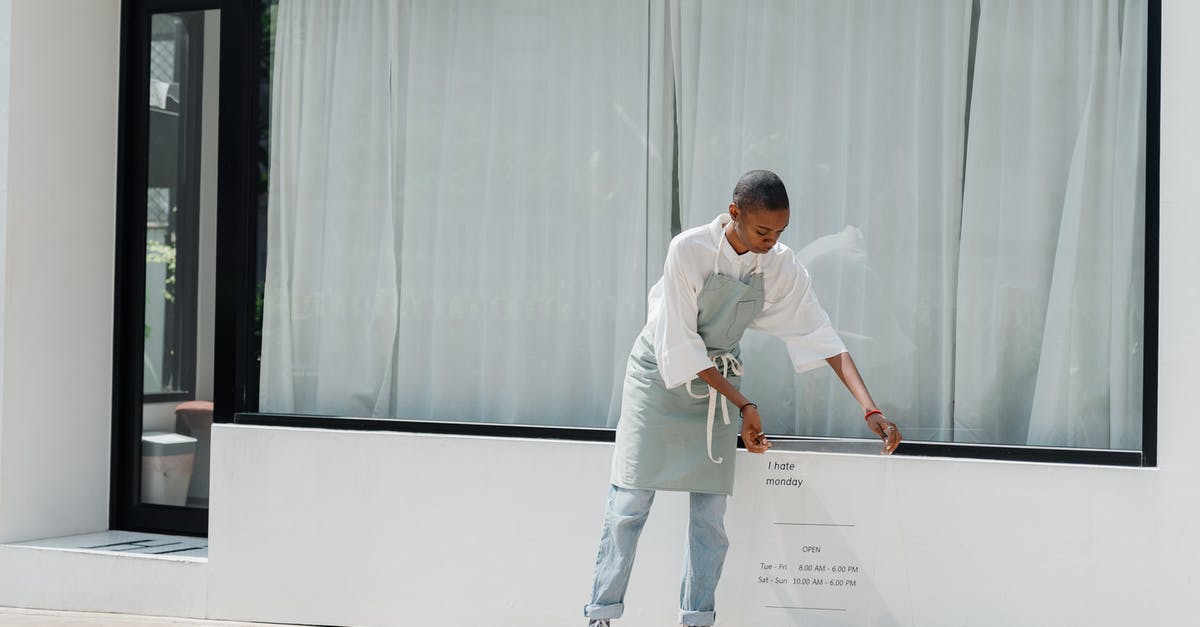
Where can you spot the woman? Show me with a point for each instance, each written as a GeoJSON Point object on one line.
{"type": "Point", "coordinates": [718, 280]}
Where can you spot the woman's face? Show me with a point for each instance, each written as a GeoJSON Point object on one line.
{"type": "Point", "coordinates": [758, 229]}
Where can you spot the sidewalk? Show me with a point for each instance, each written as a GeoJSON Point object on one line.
{"type": "Point", "coordinates": [16, 617]}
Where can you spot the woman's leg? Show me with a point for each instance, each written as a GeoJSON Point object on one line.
{"type": "Point", "coordinates": [707, 544]}
{"type": "Point", "coordinates": [623, 521]}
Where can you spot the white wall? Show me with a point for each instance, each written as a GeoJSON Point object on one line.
{"type": "Point", "coordinates": [58, 259]}
{"type": "Point", "coordinates": [395, 529]}
{"type": "Point", "coordinates": [373, 528]}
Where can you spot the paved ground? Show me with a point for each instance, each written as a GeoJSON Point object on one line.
{"type": "Point", "coordinates": [14, 617]}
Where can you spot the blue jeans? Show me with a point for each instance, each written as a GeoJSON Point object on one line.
{"type": "Point", "coordinates": [623, 521]}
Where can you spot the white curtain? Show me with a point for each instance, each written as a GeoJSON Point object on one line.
{"type": "Point", "coordinates": [1050, 311]}
{"type": "Point", "coordinates": [859, 107]}
{"type": "Point", "coordinates": [468, 201]}
{"type": "Point", "coordinates": [458, 209]}
{"type": "Point", "coordinates": [330, 308]}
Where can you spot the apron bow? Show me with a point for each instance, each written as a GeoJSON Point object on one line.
{"type": "Point", "coordinates": [726, 364]}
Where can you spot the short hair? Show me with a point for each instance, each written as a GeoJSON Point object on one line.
{"type": "Point", "coordinates": [760, 189]}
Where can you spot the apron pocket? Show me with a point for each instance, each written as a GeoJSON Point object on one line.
{"type": "Point", "coordinates": [743, 314]}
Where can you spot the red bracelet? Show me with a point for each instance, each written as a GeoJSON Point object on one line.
{"type": "Point", "coordinates": [872, 412]}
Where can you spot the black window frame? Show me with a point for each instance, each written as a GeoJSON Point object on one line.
{"type": "Point", "coordinates": [126, 511]}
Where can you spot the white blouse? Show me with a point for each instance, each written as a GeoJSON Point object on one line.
{"type": "Point", "coordinates": [791, 311]}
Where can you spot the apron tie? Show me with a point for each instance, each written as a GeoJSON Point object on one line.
{"type": "Point", "coordinates": [726, 363]}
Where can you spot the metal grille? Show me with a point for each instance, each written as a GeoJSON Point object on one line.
{"type": "Point", "coordinates": [162, 60]}
{"type": "Point", "coordinates": [158, 207]}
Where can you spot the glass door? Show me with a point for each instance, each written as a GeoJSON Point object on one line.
{"type": "Point", "coordinates": [166, 267]}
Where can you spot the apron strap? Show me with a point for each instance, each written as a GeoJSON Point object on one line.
{"type": "Point", "coordinates": [726, 363]}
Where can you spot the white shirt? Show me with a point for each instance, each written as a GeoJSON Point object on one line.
{"type": "Point", "coordinates": [791, 311]}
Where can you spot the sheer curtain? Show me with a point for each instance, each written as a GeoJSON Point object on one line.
{"type": "Point", "coordinates": [331, 310]}
{"type": "Point", "coordinates": [457, 219]}
{"type": "Point", "coordinates": [859, 106]}
{"type": "Point", "coordinates": [1050, 320]}
{"type": "Point", "coordinates": [469, 200]}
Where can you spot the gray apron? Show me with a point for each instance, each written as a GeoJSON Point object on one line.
{"type": "Point", "coordinates": [664, 440]}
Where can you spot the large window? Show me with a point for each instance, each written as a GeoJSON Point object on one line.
{"type": "Point", "coordinates": [463, 204]}
{"type": "Point", "coordinates": [445, 216]}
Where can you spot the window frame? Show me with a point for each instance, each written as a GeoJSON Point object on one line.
{"type": "Point", "coordinates": [126, 511]}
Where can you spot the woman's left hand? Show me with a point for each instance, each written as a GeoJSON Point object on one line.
{"type": "Point", "coordinates": [885, 429]}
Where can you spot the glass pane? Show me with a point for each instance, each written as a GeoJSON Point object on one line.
{"type": "Point", "coordinates": [417, 271]}
{"type": "Point", "coordinates": [180, 247]}
{"type": "Point", "coordinates": [462, 226]}
{"type": "Point", "coordinates": [165, 350]}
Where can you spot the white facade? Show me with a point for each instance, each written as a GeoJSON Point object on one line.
{"type": "Point", "coordinates": [397, 529]}
{"type": "Point", "coordinates": [58, 260]}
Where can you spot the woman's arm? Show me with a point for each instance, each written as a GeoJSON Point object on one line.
{"type": "Point", "coordinates": [752, 433]}
{"type": "Point", "coordinates": [844, 366]}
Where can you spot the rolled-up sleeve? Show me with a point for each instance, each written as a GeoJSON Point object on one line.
{"type": "Point", "coordinates": [678, 348]}
{"type": "Point", "coordinates": [795, 317]}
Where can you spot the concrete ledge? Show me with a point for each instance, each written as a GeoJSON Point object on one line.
{"type": "Point", "coordinates": [71, 579]}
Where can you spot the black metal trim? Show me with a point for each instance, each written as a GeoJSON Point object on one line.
{"type": "Point", "coordinates": [432, 427]}
{"type": "Point", "coordinates": [119, 482]}
{"type": "Point", "coordinates": [126, 511]}
{"type": "Point", "coordinates": [236, 214]}
{"type": "Point", "coordinates": [592, 434]}
{"type": "Point", "coordinates": [180, 6]}
{"type": "Point", "coordinates": [168, 397]}
{"type": "Point", "coordinates": [1150, 303]}
{"type": "Point", "coordinates": [1001, 452]}
{"type": "Point", "coordinates": [1037, 454]}
{"type": "Point", "coordinates": [129, 315]}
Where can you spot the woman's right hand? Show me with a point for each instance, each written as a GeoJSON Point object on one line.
{"type": "Point", "coordinates": [886, 430]}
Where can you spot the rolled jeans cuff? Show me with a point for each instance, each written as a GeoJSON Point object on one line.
{"type": "Point", "coordinates": [687, 617]}
{"type": "Point", "coordinates": [605, 611]}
